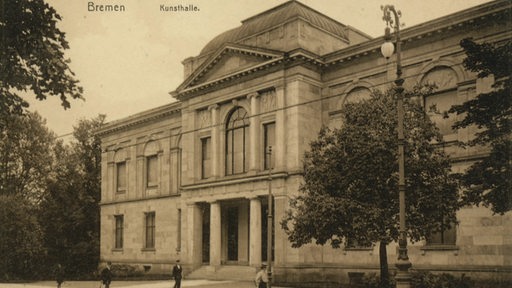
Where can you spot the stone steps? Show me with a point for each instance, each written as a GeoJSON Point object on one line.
{"type": "Point", "coordinates": [225, 272]}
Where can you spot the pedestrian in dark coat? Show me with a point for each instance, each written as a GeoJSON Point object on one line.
{"type": "Point", "coordinates": [177, 274]}
{"type": "Point", "coordinates": [59, 275]}
{"type": "Point", "coordinates": [106, 275]}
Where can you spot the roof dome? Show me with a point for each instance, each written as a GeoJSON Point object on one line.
{"type": "Point", "coordinates": [275, 17]}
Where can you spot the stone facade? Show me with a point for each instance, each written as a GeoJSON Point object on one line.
{"type": "Point", "coordinates": [199, 166]}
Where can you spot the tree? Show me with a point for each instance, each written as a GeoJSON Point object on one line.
{"type": "Point", "coordinates": [70, 209]}
{"type": "Point", "coordinates": [21, 239]}
{"type": "Point", "coordinates": [489, 180]}
{"type": "Point", "coordinates": [32, 57]}
{"type": "Point", "coordinates": [350, 188]}
{"type": "Point", "coordinates": [25, 161]}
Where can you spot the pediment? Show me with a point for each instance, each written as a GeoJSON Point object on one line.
{"type": "Point", "coordinates": [228, 60]}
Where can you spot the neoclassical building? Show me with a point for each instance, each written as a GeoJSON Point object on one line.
{"type": "Point", "coordinates": [190, 180]}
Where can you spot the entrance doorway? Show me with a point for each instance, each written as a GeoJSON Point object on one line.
{"type": "Point", "coordinates": [232, 233]}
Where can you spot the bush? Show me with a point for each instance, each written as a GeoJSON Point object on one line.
{"type": "Point", "coordinates": [126, 271]}
{"type": "Point", "coordinates": [423, 280]}
{"type": "Point", "coordinates": [21, 240]}
{"type": "Point", "coordinates": [373, 281]}
{"type": "Point", "coordinates": [444, 280]}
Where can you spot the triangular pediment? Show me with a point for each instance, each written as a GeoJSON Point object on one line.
{"type": "Point", "coordinates": [229, 60]}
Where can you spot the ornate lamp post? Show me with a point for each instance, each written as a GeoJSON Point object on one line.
{"type": "Point", "coordinates": [403, 278]}
{"type": "Point", "coordinates": [269, 220]}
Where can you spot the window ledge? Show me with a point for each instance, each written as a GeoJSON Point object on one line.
{"type": "Point", "coordinates": [358, 248]}
{"type": "Point", "coordinates": [440, 247]}
{"type": "Point", "coordinates": [148, 249]}
{"type": "Point", "coordinates": [117, 250]}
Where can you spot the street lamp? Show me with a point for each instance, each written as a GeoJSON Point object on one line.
{"type": "Point", "coordinates": [403, 278]}
{"type": "Point", "coordinates": [269, 220]}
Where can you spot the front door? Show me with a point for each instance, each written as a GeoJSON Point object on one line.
{"type": "Point", "coordinates": [232, 233]}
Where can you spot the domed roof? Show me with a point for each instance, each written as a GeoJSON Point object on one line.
{"type": "Point", "coordinates": [274, 17]}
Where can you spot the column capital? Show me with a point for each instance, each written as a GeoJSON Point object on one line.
{"type": "Point", "coordinates": [213, 107]}
{"type": "Point", "coordinates": [253, 95]}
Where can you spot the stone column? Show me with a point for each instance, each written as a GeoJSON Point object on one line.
{"type": "Point", "coordinates": [194, 234]}
{"type": "Point", "coordinates": [255, 232]}
{"type": "Point", "coordinates": [253, 130]}
{"type": "Point", "coordinates": [215, 234]}
{"type": "Point", "coordinates": [108, 195]}
{"type": "Point", "coordinates": [279, 152]}
{"type": "Point", "coordinates": [214, 109]}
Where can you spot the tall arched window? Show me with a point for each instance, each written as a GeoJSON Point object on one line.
{"type": "Point", "coordinates": [237, 142]}
{"type": "Point", "coordinates": [442, 99]}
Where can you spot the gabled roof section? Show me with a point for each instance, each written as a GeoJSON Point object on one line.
{"type": "Point", "coordinates": [260, 57]}
{"type": "Point", "coordinates": [274, 17]}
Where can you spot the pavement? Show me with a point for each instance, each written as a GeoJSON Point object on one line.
{"type": "Point", "coordinates": [135, 284]}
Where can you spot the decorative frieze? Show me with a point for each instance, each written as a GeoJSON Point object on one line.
{"type": "Point", "coordinates": [204, 118]}
{"type": "Point", "coordinates": [268, 101]}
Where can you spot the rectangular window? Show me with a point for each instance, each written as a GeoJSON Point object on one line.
{"type": "Point", "coordinates": [445, 237]}
{"type": "Point", "coordinates": [269, 140]}
{"type": "Point", "coordinates": [150, 230]}
{"type": "Point", "coordinates": [206, 144]}
{"type": "Point", "coordinates": [121, 176]}
{"type": "Point", "coordinates": [119, 231]}
{"type": "Point", "coordinates": [152, 171]}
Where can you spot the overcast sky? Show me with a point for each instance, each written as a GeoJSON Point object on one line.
{"type": "Point", "coordinates": [128, 62]}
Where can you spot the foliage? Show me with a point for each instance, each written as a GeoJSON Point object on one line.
{"type": "Point", "coordinates": [444, 280]}
{"type": "Point", "coordinates": [24, 158]}
{"type": "Point", "coordinates": [70, 209]}
{"type": "Point", "coordinates": [127, 271]}
{"type": "Point", "coordinates": [32, 56]}
{"type": "Point", "coordinates": [423, 279]}
{"type": "Point", "coordinates": [21, 239]}
{"type": "Point", "coordinates": [350, 188]}
{"type": "Point", "coordinates": [488, 181]}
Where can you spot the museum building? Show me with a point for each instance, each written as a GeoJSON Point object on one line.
{"type": "Point", "coordinates": [190, 180]}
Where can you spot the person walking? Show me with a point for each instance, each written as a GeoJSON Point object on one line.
{"type": "Point", "coordinates": [261, 279]}
{"type": "Point", "coordinates": [177, 274]}
{"type": "Point", "coordinates": [59, 275]}
{"type": "Point", "coordinates": [106, 275]}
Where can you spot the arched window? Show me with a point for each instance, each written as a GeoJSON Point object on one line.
{"type": "Point", "coordinates": [443, 98]}
{"type": "Point", "coordinates": [358, 94]}
{"type": "Point", "coordinates": [237, 142]}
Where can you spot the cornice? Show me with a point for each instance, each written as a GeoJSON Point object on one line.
{"type": "Point", "coordinates": [227, 79]}
{"type": "Point", "coordinates": [458, 20]}
{"type": "Point", "coordinates": [213, 59]}
{"type": "Point", "coordinates": [139, 119]}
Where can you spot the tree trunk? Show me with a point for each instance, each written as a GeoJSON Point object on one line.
{"type": "Point", "coordinates": [384, 270]}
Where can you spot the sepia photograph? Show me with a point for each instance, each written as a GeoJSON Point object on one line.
{"type": "Point", "coordinates": [255, 143]}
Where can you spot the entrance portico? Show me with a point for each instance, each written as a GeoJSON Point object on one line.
{"type": "Point", "coordinates": [226, 232]}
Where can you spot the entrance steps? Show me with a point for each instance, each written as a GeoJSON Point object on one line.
{"type": "Point", "coordinates": [224, 272]}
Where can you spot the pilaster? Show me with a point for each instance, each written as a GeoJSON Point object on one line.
{"type": "Point", "coordinates": [253, 131]}
{"type": "Point", "coordinates": [194, 234]}
{"type": "Point", "coordinates": [281, 135]}
{"type": "Point", "coordinates": [214, 109]}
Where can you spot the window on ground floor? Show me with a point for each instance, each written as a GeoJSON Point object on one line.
{"type": "Point", "coordinates": [150, 230]}
{"type": "Point", "coordinates": [119, 219]}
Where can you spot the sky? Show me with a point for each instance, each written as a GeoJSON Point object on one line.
{"type": "Point", "coordinates": [128, 62]}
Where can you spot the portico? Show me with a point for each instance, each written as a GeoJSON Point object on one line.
{"type": "Point", "coordinates": [227, 232]}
